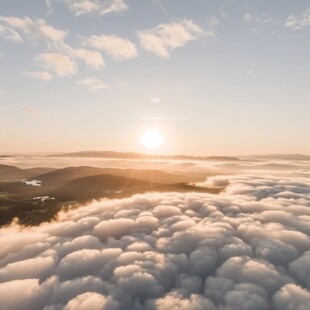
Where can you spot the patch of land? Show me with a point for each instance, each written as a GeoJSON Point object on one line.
{"type": "Point", "coordinates": [37, 195]}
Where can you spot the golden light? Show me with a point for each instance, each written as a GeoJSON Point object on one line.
{"type": "Point", "coordinates": [152, 139]}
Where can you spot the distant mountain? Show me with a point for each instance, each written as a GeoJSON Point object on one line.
{"type": "Point", "coordinates": [131, 155]}
{"type": "Point", "coordinates": [8, 173]}
{"type": "Point", "coordinates": [300, 157]}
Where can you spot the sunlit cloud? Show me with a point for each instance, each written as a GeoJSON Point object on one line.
{"type": "Point", "coordinates": [41, 75]}
{"type": "Point", "coordinates": [93, 59]}
{"type": "Point", "coordinates": [164, 38]}
{"type": "Point", "coordinates": [298, 22]}
{"type": "Point", "coordinates": [82, 7]}
{"type": "Point", "coordinates": [249, 245]}
{"type": "Point", "coordinates": [60, 64]}
{"type": "Point", "coordinates": [93, 84]}
{"type": "Point", "coordinates": [117, 47]}
{"type": "Point", "coordinates": [35, 30]}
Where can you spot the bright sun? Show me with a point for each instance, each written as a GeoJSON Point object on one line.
{"type": "Point", "coordinates": [152, 139]}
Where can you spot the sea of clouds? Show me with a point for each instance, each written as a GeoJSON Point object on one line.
{"type": "Point", "coordinates": [246, 248]}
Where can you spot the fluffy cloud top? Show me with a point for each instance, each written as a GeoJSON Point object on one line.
{"type": "Point", "coordinates": [247, 248]}
{"type": "Point", "coordinates": [162, 39]}
{"type": "Point", "coordinates": [117, 47]}
{"type": "Point", "coordinates": [80, 7]}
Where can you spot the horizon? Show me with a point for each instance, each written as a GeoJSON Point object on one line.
{"type": "Point", "coordinates": [150, 153]}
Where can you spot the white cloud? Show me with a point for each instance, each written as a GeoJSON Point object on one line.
{"type": "Point", "coordinates": [10, 34]}
{"type": "Point", "coordinates": [162, 39]}
{"type": "Point", "coordinates": [93, 84]}
{"type": "Point", "coordinates": [247, 17]}
{"type": "Point", "coordinates": [35, 30]}
{"type": "Point", "coordinates": [246, 248]}
{"type": "Point", "coordinates": [298, 22]}
{"type": "Point", "coordinates": [81, 7]}
{"type": "Point", "coordinates": [93, 59]}
{"type": "Point", "coordinates": [41, 75]}
{"type": "Point", "coordinates": [60, 64]}
{"type": "Point", "coordinates": [117, 47]}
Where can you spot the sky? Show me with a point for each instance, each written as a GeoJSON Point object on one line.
{"type": "Point", "coordinates": [214, 77]}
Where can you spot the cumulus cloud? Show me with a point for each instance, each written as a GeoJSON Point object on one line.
{"type": "Point", "coordinates": [93, 84]}
{"type": "Point", "coordinates": [298, 22]}
{"type": "Point", "coordinates": [60, 64]}
{"type": "Point", "coordinates": [117, 47]}
{"type": "Point", "coordinates": [33, 29]}
{"type": "Point", "coordinates": [81, 7]}
{"type": "Point", "coordinates": [246, 248]}
{"type": "Point", "coordinates": [60, 59]}
{"type": "Point", "coordinates": [162, 39]}
{"type": "Point", "coordinates": [93, 59]}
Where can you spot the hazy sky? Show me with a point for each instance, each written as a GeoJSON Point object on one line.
{"type": "Point", "coordinates": [215, 77]}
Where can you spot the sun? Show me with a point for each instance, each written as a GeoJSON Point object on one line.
{"type": "Point", "coordinates": [152, 139]}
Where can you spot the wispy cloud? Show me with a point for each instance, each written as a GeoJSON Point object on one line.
{"type": "Point", "coordinates": [9, 34]}
{"type": "Point", "coordinates": [93, 84]}
{"type": "Point", "coordinates": [258, 24]}
{"type": "Point", "coordinates": [162, 39]}
{"type": "Point", "coordinates": [117, 47]}
{"type": "Point", "coordinates": [34, 30]}
{"type": "Point", "coordinates": [41, 75]}
{"type": "Point", "coordinates": [298, 22]}
{"type": "Point", "coordinates": [61, 64]}
{"type": "Point", "coordinates": [82, 7]}
{"type": "Point", "coordinates": [30, 110]}
{"type": "Point", "coordinates": [2, 92]}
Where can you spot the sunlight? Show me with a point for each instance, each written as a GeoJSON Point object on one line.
{"type": "Point", "coordinates": [152, 139]}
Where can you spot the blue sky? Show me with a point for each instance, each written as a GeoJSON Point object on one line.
{"type": "Point", "coordinates": [214, 77]}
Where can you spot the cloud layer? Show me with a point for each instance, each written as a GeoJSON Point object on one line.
{"type": "Point", "coordinates": [248, 248]}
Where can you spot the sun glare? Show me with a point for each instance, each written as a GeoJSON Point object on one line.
{"type": "Point", "coordinates": [152, 139]}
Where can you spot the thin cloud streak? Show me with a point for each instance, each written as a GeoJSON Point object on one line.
{"type": "Point", "coordinates": [84, 7]}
